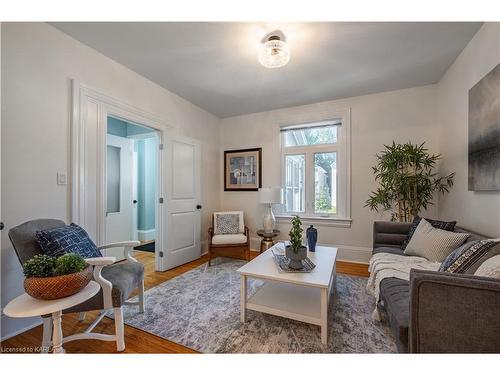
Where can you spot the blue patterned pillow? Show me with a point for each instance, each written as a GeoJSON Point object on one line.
{"type": "Point", "coordinates": [468, 257]}
{"type": "Point", "coordinates": [68, 239]}
{"type": "Point", "coordinates": [445, 225]}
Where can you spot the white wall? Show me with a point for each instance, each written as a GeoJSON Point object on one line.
{"type": "Point", "coordinates": [37, 64]}
{"type": "Point", "coordinates": [377, 119]}
{"type": "Point", "coordinates": [478, 211]}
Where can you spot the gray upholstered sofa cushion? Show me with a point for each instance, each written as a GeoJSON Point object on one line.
{"type": "Point", "coordinates": [390, 250]}
{"type": "Point", "coordinates": [394, 294]}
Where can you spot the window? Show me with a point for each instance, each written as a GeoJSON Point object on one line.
{"type": "Point", "coordinates": [315, 179]}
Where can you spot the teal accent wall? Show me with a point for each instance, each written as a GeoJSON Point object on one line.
{"type": "Point", "coordinates": [147, 153]}
{"type": "Point", "coordinates": [124, 129]}
{"type": "Point", "coordinates": [117, 127]}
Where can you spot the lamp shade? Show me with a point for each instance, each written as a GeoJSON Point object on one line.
{"type": "Point", "coordinates": [270, 195]}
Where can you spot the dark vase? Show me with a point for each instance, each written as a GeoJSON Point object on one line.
{"type": "Point", "coordinates": [312, 237]}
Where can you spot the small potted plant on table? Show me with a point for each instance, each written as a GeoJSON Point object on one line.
{"type": "Point", "coordinates": [51, 278]}
{"type": "Point", "coordinates": [296, 252]}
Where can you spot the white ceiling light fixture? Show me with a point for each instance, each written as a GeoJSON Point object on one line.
{"type": "Point", "coordinates": [274, 53]}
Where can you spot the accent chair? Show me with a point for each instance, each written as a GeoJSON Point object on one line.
{"type": "Point", "coordinates": [235, 244]}
{"type": "Point", "coordinates": [117, 281]}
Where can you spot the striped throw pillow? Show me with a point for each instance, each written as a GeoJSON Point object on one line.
{"type": "Point", "coordinates": [432, 243]}
{"type": "Point", "coordinates": [446, 225]}
{"type": "Point", "coordinates": [468, 257]}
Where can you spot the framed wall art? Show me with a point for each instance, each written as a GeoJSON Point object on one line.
{"type": "Point", "coordinates": [243, 169]}
{"type": "Point", "coordinates": [484, 133]}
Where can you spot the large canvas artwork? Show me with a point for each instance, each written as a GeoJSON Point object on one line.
{"type": "Point", "coordinates": [242, 169]}
{"type": "Point", "coordinates": [484, 133]}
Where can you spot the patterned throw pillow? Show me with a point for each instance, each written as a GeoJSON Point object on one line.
{"type": "Point", "coordinates": [68, 239]}
{"type": "Point", "coordinates": [227, 224]}
{"type": "Point", "coordinates": [490, 268]}
{"type": "Point", "coordinates": [468, 257]}
{"type": "Point", "coordinates": [445, 225]}
{"type": "Point", "coordinates": [434, 244]}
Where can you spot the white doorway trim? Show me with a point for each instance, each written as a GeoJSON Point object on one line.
{"type": "Point", "coordinates": [90, 110]}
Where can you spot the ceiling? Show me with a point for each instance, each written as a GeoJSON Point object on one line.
{"type": "Point", "coordinates": [215, 64]}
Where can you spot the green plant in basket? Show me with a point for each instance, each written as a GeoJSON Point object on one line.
{"type": "Point", "coordinates": [69, 263]}
{"type": "Point", "coordinates": [296, 234]}
{"type": "Point", "coordinates": [39, 266]}
{"type": "Point", "coordinates": [49, 278]}
{"type": "Point", "coordinates": [47, 266]}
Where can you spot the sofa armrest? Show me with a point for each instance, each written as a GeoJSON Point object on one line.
{"type": "Point", "coordinates": [453, 313]}
{"type": "Point", "coordinates": [389, 233]}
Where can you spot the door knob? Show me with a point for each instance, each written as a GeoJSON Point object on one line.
{"type": "Point", "coordinates": [198, 206]}
{"type": "Point", "coordinates": [134, 201]}
{"type": "Point", "coordinates": [1, 226]}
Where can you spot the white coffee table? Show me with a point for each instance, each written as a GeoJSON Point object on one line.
{"type": "Point", "coordinates": [26, 306]}
{"type": "Point", "coordinates": [299, 296]}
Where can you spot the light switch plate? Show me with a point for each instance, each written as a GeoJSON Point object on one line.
{"type": "Point", "coordinates": [62, 178]}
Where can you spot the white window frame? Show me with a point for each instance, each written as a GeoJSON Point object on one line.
{"type": "Point", "coordinates": [342, 148]}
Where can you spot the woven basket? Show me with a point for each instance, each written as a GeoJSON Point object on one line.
{"type": "Point", "coordinates": [55, 287]}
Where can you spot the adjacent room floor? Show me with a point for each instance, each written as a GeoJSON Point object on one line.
{"type": "Point", "coordinates": [137, 341]}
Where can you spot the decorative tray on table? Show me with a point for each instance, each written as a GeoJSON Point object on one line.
{"type": "Point", "coordinates": [282, 261]}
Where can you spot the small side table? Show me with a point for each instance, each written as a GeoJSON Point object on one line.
{"type": "Point", "coordinates": [267, 239]}
{"type": "Point", "coordinates": [26, 306]}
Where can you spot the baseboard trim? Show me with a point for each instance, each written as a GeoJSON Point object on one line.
{"type": "Point", "coordinates": [346, 253]}
{"type": "Point", "coordinates": [22, 330]}
{"type": "Point", "coordinates": [146, 235]}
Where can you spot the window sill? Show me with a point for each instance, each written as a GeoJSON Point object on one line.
{"type": "Point", "coordinates": [317, 220]}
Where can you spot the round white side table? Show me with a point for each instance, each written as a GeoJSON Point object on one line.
{"type": "Point", "coordinates": [26, 306]}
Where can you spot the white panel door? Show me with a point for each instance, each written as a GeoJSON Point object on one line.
{"type": "Point", "coordinates": [181, 204]}
{"type": "Point", "coordinates": [119, 189]}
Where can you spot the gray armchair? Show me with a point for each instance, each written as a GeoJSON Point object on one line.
{"type": "Point", "coordinates": [117, 280]}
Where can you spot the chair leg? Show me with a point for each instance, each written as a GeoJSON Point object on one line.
{"type": "Point", "coordinates": [81, 316]}
{"type": "Point", "coordinates": [119, 329]}
{"type": "Point", "coordinates": [209, 256]}
{"type": "Point", "coordinates": [47, 334]}
{"type": "Point", "coordinates": [141, 296]}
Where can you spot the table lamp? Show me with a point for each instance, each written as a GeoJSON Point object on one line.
{"type": "Point", "coordinates": [269, 196]}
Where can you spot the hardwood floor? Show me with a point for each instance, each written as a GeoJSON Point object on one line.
{"type": "Point", "coordinates": [137, 341]}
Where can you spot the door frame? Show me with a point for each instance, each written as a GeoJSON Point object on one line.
{"type": "Point", "coordinates": [107, 105]}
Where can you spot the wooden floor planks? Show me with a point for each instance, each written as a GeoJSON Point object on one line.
{"type": "Point", "coordinates": [137, 341]}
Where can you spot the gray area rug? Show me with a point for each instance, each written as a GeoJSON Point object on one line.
{"type": "Point", "coordinates": [201, 310]}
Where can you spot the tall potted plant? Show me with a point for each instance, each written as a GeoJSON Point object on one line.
{"type": "Point", "coordinates": [296, 252]}
{"type": "Point", "coordinates": [408, 180]}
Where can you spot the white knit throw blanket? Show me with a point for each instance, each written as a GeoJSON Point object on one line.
{"type": "Point", "coordinates": [384, 265]}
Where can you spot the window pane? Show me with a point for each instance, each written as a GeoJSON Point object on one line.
{"type": "Point", "coordinates": [113, 179]}
{"type": "Point", "coordinates": [325, 183]}
{"type": "Point", "coordinates": [294, 183]}
{"type": "Point", "coordinates": [311, 136]}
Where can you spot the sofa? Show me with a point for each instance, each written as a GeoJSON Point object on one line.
{"type": "Point", "coordinates": [437, 312]}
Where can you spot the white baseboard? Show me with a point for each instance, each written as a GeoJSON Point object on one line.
{"type": "Point", "coordinates": [346, 253]}
{"type": "Point", "coordinates": [146, 235]}
{"type": "Point", "coordinates": [22, 327]}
